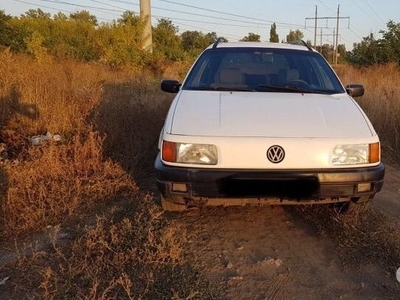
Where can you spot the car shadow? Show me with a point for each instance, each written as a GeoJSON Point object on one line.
{"type": "Point", "coordinates": [11, 143]}
{"type": "Point", "coordinates": [130, 118]}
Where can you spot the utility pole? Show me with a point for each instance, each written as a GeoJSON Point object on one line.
{"type": "Point", "coordinates": [337, 18]}
{"type": "Point", "coordinates": [334, 43]}
{"type": "Point", "coordinates": [145, 15]}
{"type": "Point", "coordinates": [316, 25]}
{"type": "Point", "coordinates": [337, 34]}
{"type": "Point", "coordinates": [333, 35]}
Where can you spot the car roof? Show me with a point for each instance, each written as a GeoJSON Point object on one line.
{"type": "Point", "coordinates": [269, 45]}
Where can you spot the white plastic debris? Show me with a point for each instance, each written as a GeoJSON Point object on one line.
{"type": "Point", "coordinates": [57, 137]}
{"type": "Point", "coordinates": [398, 275]}
{"type": "Point", "coordinates": [4, 280]}
{"type": "Point", "coordinates": [38, 139]}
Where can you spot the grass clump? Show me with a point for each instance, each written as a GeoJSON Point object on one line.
{"type": "Point", "coordinates": [61, 180]}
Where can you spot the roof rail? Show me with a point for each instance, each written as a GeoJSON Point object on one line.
{"type": "Point", "coordinates": [301, 43]}
{"type": "Point", "coordinates": [218, 41]}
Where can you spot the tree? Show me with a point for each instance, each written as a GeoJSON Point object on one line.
{"type": "Point", "coordinates": [391, 42]}
{"type": "Point", "coordinates": [327, 51]}
{"type": "Point", "coordinates": [84, 16]}
{"type": "Point", "coordinates": [36, 14]}
{"type": "Point", "coordinates": [166, 41]}
{"type": "Point", "coordinates": [366, 53]}
{"type": "Point", "coordinates": [5, 29]}
{"type": "Point", "coordinates": [251, 37]}
{"type": "Point", "coordinates": [273, 36]}
{"type": "Point", "coordinates": [342, 52]}
{"type": "Point", "coordinates": [60, 17]}
{"type": "Point", "coordinates": [377, 51]}
{"type": "Point", "coordinates": [294, 36]}
{"type": "Point", "coordinates": [128, 18]}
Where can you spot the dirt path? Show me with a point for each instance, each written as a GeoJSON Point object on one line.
{"type": "Point", "coordinates": [273, 253]}
{"type": "Point", "coordinates": [388, 200]}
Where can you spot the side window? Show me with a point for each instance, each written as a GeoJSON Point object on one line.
{"type": "Point", "coordinates": [203, 72]}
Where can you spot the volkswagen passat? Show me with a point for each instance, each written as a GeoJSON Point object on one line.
{"type": "Point", "coordinates": [266, 123]}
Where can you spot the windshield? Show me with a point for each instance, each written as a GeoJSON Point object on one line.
{"type": "Point", "coordinates": [263, 69]}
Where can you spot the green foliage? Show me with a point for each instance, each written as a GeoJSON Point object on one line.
{"type": "Point", "coordinates": [372, 51]}
{"type": "Point", "coordinates": [128, 18]}
{"type": "Point", "coordinates": [166, 41]}
{"type": "Point", "coordinates": [366, 53]}
{"type": "Point", "coordinates": [11, 36]}
{"type": "Point", "coordinates": [273, 36]}
{"type": "Point", "coordinates": [193, 42]}
{"type": "Point", "coordinates": [294, 36]}
{"type": "Point", "coordinates": [36, 14]}
{"type": "Point", "coordinates": [251, 37]}
{"type": "Point", "coordinates": [391, 42]}
{"type": "Point", "coordinates": [84, 16]}
{"type": "Point", "coordinates": [121, 43]}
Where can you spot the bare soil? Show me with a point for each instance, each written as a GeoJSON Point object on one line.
{"type": "Point", "coordinates": [275, 253]}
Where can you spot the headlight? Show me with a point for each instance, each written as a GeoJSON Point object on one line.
{"type": "Point", "coordinates": [356, 154]}
{"type": "Point", "coordinates": [188, 153]}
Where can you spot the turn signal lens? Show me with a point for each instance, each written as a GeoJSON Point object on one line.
{"type": "Point", "coordinates": [169, 151]}
{"type": "Point", "coordinates": [374, 153]}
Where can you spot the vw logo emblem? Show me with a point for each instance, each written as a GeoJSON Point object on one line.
{"type": "Point", "coordinates": [275, 154]}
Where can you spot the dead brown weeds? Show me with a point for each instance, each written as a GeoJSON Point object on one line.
{"type": "Point", "coordinates": [109, 240]}
{"type": "Point", "coordinates": [373, 236]}
{"type": "Point", "coordinates": [380, 102]}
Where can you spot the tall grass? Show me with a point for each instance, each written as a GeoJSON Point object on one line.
{"type": "Point", "coordinates": [109, 123]}
{"type": "Point", "coordinates": [381, 102]}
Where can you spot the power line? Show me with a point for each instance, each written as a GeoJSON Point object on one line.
{"type": "Point", "coordinates": [230, 14]}
{"type": "Point", "coordinates": [79, 5]}
{"type": "Point", "coordinates": [370, 7]}
{"type": "Point", "coordinates": [57, 9]}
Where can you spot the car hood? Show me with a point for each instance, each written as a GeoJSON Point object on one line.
{"type": "Point", "coordinates": [262, 114]}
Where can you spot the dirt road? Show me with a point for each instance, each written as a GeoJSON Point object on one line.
{"type": "Point", "coordinates": [274, 253]}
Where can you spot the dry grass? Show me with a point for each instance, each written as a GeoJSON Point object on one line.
{"type": "Point", "coordinates": [58, 180]}
{"type": "Point", "coordinates": [112, 241]}
{"type": "Point", "coordinates": [117, 243]}
{"type": "Point", "coordinates": [380, 102]}
{"type": "Point", "coordinates": [372, 236]}
{"type": "Point", "coordinates": [128, 253]}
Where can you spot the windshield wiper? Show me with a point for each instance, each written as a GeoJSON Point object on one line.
{"type": "Point", "coordinates": [222, 88]}
{"type": "Point", "coordinates": [286, 88]}
{"type": "Point", "coordinates": [231, 89]}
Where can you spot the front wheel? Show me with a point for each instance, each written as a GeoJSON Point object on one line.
{"type": "Point", "coordinates": [171, 206]}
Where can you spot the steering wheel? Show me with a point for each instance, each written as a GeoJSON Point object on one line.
{"type": "Point", "coordinates": [299, 83]}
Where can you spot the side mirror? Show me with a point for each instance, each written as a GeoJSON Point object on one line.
{"type": "Point", "coordinates": [355, 90]}
{"type": "Point", "coordinates": [170, 86]}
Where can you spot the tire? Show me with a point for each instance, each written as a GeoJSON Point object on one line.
{"type": "Point", "coordinates": [171, 206]}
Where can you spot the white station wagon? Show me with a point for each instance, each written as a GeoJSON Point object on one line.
{"type": "Point", "coordinates": [266, 123]}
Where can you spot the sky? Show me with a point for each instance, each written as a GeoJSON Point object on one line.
{"type": "Point", "coordinates": [234, 19]}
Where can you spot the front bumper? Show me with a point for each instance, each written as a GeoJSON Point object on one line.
{"type": "Point", "coordinates": [199, 186]}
